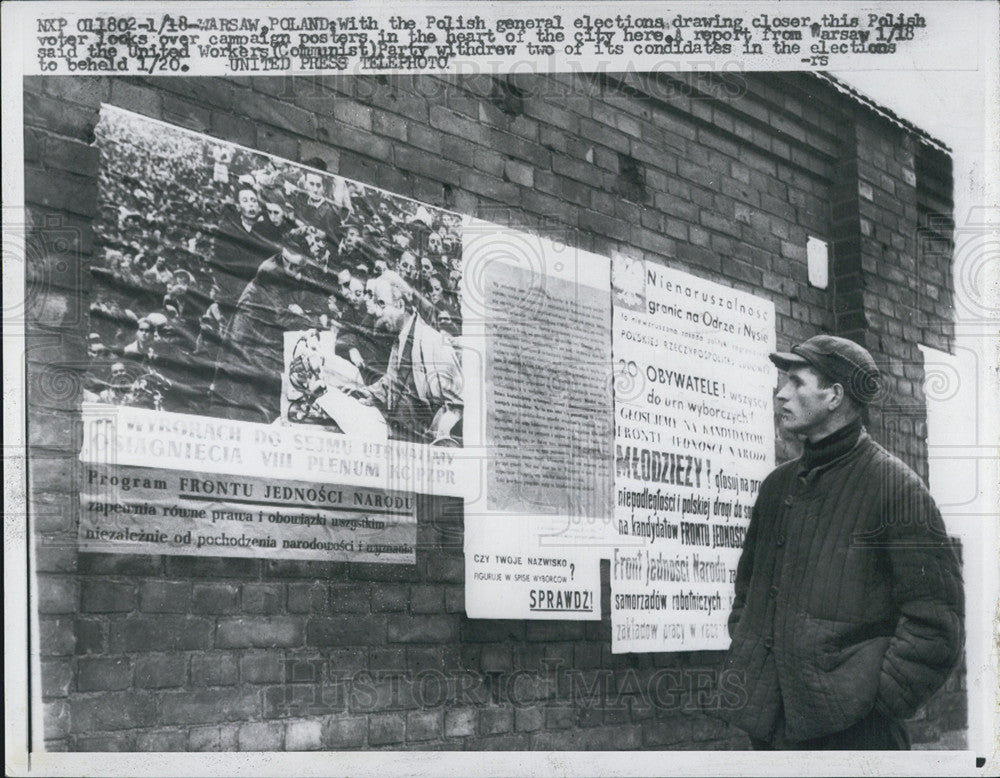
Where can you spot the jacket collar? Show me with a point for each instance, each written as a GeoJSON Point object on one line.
{"type": "Point", "coordinates": [862, 440]}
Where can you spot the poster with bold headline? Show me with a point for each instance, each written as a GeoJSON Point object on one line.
{"type": "Point", "coordinates": [537, 342]}
{"type": "Point", "coordinates": [261, 322]}
{"type": "Point", "coordinates": [694, 437]}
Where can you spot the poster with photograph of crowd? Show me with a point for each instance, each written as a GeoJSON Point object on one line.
{"type": "Point", "coordinates": [254, 317]}
{"type": "Point", "coordinates": [208, 253]}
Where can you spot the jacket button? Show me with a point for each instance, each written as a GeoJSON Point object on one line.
{"type": "Point", "coordinates": [781, 540]}
{"type": "Point", "coordinates": [788, 502]}
{"type": "Point", "coordinates": [768, 642]}
{"type": "Point", "coordinates": [772, 592]}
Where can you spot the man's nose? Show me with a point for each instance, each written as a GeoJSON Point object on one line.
{"type": "Point", "coordinates": [783, 394]}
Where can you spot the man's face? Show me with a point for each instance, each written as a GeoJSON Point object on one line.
{"type": "Point", "coordinates": [390, 313]}
{"type": "Point", "coordinates": [370, 297]}
{"type": "Point", "coordinates": [351, 238]}
{"type": "Point", "coordinates": [426, 268]}
{"type": "Point", "coordinates": [803, 405]}
{"type": "Point", "coordinates": [408, 266]}
{"type": "Point", "coordinates": [314, 186]}
{"type": "Point", "coordinates": [119, 377]}
{"type": "Point", "coordinates": [356, 292]}
{"type": "Point", "coordinates": [436, 291]}
{"type": "Point", "coordinates": [248, 204]}
{"type": "Point", "coordinates": [434, 243]}
{"type": "Point", "coordinates": [144, 335]}
{"type": "Point", "coordinates": [275, 214]}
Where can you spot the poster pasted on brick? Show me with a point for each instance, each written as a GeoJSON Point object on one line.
{"type": "Point", "coordinates": [539, 406]}
{"type": "Point", "coordinates": [694, 437]}
{"type": "Point", "coordinates": [262, 332]}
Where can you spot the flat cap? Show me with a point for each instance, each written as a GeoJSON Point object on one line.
{"type": "Point", "coordinates": [840, 360]}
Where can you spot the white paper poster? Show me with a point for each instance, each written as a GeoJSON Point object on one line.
{"type": "Point", "coordinates": [694, 436]}
{"type": "Point", "coordinates": [537, 349]}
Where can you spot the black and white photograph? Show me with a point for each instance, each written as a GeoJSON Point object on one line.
{"type": "Point", "coordinates": [501, 388]}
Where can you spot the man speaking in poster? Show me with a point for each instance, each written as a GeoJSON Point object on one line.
{"type": "Point", "coordinates": [848, 612]}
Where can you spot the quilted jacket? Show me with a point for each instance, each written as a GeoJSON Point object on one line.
{"type": "Point", "coordinates": [848, 597]}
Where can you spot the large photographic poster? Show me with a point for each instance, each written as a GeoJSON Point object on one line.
{"type": "Point", "coordinates": [285, 330]}
{"type": "Point", "coordinates": [538, 380]}
{"type": "Point", "coordinates": [694, 437]}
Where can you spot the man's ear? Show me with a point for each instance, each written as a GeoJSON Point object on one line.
{"type": "Point", "coordinates": [837, 396]}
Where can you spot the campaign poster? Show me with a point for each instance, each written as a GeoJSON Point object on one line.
{"type": "Point", "coordinates": [694, 437]}
{"type": "Point", "coordinates": [537, 343]}
{"type": "Point", "coordinates": [253, 316]}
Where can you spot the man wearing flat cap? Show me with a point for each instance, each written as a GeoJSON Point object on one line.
{"type": "Point", "coordinates": [848, 611]}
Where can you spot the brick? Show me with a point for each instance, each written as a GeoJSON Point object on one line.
{"type": "Point", "coordinates": [350, 138]}
{"type": "Point", "coordinates": [429, 629]}
{"type": "Point", "coordinates": [496, 720]}
{"type": "Point", "coordinates": [165, 597]}
{"type": "Point", "coordinates": [207, 706]}
{"type": "Point", "coordinates": [161, 671]}
{"type": "Point", "coordinates": [279, 114]}
{"type": "Point", "coordinates": [56, 636]}
{"type": "Point", "coordinates": [120, 564]}
{"type": "Point", "coordinates": [424, 725]}
{"type": "Point", "coordinates": [90, 636]}
{"type": "Point", "coordinates": [264, 667]}
{"type": "Point", "coordinates": [61, 191]}
{"type": "Point", "coordinates": [454, 599]}
{"type": "Point", "coordinates": [232, 128]}
{"type": "Point", "coordinates": [212, 92]}
{"type": "Point", "coordinates": [56, 594]}
{"type": "Point", "coordinates": [261, 736]}
{"type": "Point", "coordinates": [136, 98]}
{"type": "Point", "coordinates": [529, 719]}
{"type": "Point", "coordinates": [345, 732]}
{"type": "Point", "coordinates": [71, 156]}
{"type": "Point", "coordinates": [214, 598]}
{"type": "Point", "coordinates": [161, 740]}
{"type": "Point", "coordinates": [265, 599]}
{"type": "Point", "coordinates": [386, 728]}
{"type": "Point", "coordinates": [112, 711]}
{"type": "Point", "coordinates": [104, 674]}
{"type": "Point", "coordinates": [203, 739]}
{"type": "Point", "coordinates": [162, 633]}
{"type": "Point", "coordinates": [350, 598]}
{"type": "Point", "coordinates": [519, 173]}
{"type": "Point", "coordinates": [353, 114]}
{"type": "Point", "coordinates": [117, 741]}
{"type": "Point", "coordinates": [214, 670]}
{"type": "Point", "coordinates": [271, 632]}
{"type": "Point", "coordinates": [340, 631]}
{"type": "Point", "coordinates": [277, 142]}
{"type": "Point", "coordinates": [460, 722]}
{"type": "Point", "coordinates": [57, 556]}
{"type": "Point", "coordinates": [303, 735]}
{"type": "Point", "coordinates": [390, 125]}
{"type": "Point", "coordinates": [426, 599]}
{"type": "Point", "coordinates": [59, 117]}
{"type": "Point", "coordinates": [185, 113]}
{"type": "Point", "coordinates": [429, 166]}
{"type": "Point", "coordinates": [57, 675]}
{"type": "Point", "coordinates": [55, 720]}
{"type": "Point", "coordinates": [307, 598]}
{"type": "Point", "coordinates": [86, 91]}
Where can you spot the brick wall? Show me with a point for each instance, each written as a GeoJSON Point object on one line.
{"type": "Point", "coordinates": [724, 177]}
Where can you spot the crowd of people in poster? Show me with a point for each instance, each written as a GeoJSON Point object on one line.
{"type": "Point", "coordinates": [210, 255]}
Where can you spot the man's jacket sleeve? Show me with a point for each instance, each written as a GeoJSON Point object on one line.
{"type": "Point", "coordinates": [744, 570]}
{"type": "Point", "coordinates": [927, 590]}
